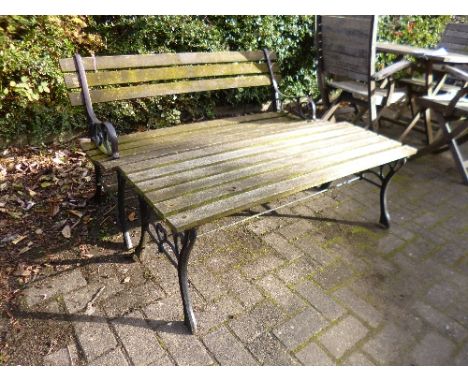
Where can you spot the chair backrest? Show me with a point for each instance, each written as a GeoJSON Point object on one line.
{"type": "Point", "coordinates": [112, 78]}
{"type": "Point", "coordinates": [455, 40]}
{"type": "Point", "coordinates": [346, 46]}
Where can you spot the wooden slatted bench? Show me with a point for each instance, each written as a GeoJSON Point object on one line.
{"type": "Point", "coordinates": [192, 174]}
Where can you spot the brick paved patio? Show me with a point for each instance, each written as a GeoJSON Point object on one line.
{"type": "Point", "coordinates": [317, 283]}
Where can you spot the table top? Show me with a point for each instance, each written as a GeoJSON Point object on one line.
{"type": "Point", "coordinates": [191, 175]}
{"type": "Point", "coordinates": [436, 55]}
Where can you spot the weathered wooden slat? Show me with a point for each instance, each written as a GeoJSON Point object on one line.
{"type": "Point", "coordinates": [162, 59]}
{"type": "Point", "coordinates": [197, 216]}
{"type": "Point", "coordinates": [200, 190]}
{"type": "Point", "coordinates": [301, 165]}
{"type": "Point", "coordinates": [361, 63]}
{"type": "Point", "coordinates": [346, 73]}
{"type": "Point", "coordinates": [223, 155]}
{"type": "Point", "coordinates": [192, 127]}
{"type": "Point", "coordinates": [331, 64]}
{"type": "Point", "coordinates": [147, 153]}
{"type": "Point", "coordinates": [346, 23]}
{"type": "Point", "coordinates": [142, 91]}
{"type": "Point", "coordinates": [460, 27]}
{"type": "Point", "coordinates": [456, 48]}
{"type": "Point", "coordinates": [166, 74]}
{"type": "Point", "coordinates": [342, 48]}
{"type": "Point", "coordinates": [185, 177]}
{"type": "Point", "coordinates": [147, 144]}
{"type": "Point", "coordinates": [190, 142]}
{"type": "Point", "coordinates": [283, 154]}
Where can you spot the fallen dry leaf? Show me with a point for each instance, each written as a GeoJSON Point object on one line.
{"type": "Point", "coordinates": [54, 209]}
{"type": "Point", "coordinates": [132, 216]}
{"type": "Point", "coordinates": [23, 270]}
{"type": "Point", "coordinates": [76, 213]}
{"type": "Point", "coordinates": [18, 239]}
{"type": "Point", "coordinates": [126, 280]}
{"type": "Point", "coordinates": [38, 231]}
{"type": "Point", "coordinates": [66, 232]}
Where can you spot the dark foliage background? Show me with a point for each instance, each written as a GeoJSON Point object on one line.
{"type": "Point", "coordinates": [33, 102]}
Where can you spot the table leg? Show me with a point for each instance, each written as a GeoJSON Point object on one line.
{"type": "Point", "coordinates": [427, 112]}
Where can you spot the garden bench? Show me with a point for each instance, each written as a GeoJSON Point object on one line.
{"type": "Point", "coordinates": [192, 174]}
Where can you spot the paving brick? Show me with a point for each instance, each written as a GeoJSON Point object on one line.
{"type": "Point", "coordinates": [388, 344]}
{"type": "Point", "coordinates": [222, 261]}
{"type": "Point", "coordinates": [214, 314]}
{"type": "Point", "coordinates": [264, 224]}
{"type": "Point", "coordinates": [311, 246]}
{"type": "Point", "coordinates": [206, 283]}
{"type": "Point", "coordinates": [186, 349]}
{"type": "Point", "coordinates": [313, 355]}
{"type": "Point", "coordinates": [281, 294]}
{"type": "Point", "coordinates": [164, 273]}
{"type": "Point", "coordinates": [343, 336]}
{"type": "Point", "coordinates": [113, 358]}
{"type": "Point", "coordinates": [66, 356]}
{"type": "Point", "coordinates": [357, 359]}
{"type": "Point", "coordinates": [440, 321]}
{"type": "Point", "coordinates": [360, 307]}
{"type": "Point", "coordinates": [442, 295]}
{"type": "Point", "coordinates": [247, 293]}
{"type": "Point", "coordinates": [252, 324]}
{"type": "Point", "coordinates": [260, 266]}
{"type": "Point", "coordinates": [333, 275]}
{"type": "Point", "coordinates": [271, 352]}
{"type": "Point", "coordinates": [432, 350]}
{"type": "Point", "coordinates": [164, 311]}
{"type": "Point", "coordinates": [52, 286]}
{"type": "Point", "coordinates": [285, 250]}
{"type": "Point", "coordinates": [227, 349]}
{"type": "Point", "coordinates": [294, 272]}
{"type": "Point", "coordinates": [320, 300]}
{"type": "Point", "coordinates": [139, 340]}
{"type": "Point", "coordinates": [300, 328]}
{"type": "Point", "coordinates": [94, 335]}
{"type": "Point", "coordinates": [129, 299]}
{"type": "Point", "coordinates": [296, 229]}
{"type": "Point", "coordinates": [389, 243]}
{"type": "Point", "coordinates": [462, 357]}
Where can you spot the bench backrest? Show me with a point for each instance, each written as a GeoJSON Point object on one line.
{"type": "Point", "coordinates": [113, 78]}
{"type": "Point", "coordinates": [455, 40]}
{"type": "Point", "coordinates": [346, 46]}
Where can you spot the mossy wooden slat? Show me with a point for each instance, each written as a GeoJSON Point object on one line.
{"type": "Point", "coordinates": [301, 165]}
{"type": "Point", "coordinates": [166, 74]}
{"type": "Point", "coordinates": [142, 91]}
{"type": "Point", "coordinates": [206, 213]}
{"type": "Point", "coordinates": [138, 171]}
{"type": "Point", "coordinates": [190, 127]}
{"type": "Point", "coordinates": [184, 178]}
{"type": "Point", "coordinates": [201, 189]}
{"type": "Point", "coordinates": [181, 150]}
{"type": "Point", "coordinates": [281, 154]}
{"type": "Point", "coordinates": [150, 139]}
{"type": "Point", "coordinates": [162, 59]}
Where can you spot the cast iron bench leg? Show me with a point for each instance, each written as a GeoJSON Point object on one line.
{"type": "Point", "coordinates": [98, 173]}
{"type": "Point", "coordinates": [181, 245]}
{"type": "Point", "coordinates": [121, 205]}
{"type": "Point", "coordinates": [385, 175]}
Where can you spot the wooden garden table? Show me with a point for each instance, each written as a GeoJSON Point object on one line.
{"type": "Point", "coordinates": [428, 57]}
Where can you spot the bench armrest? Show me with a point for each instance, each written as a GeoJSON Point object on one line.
{"type": "Point", "coordinates": [309, 104]}
{"type": "Point", "coordinates": [390, 70]}
{"type": "Point", "coordinates": [456, 72]}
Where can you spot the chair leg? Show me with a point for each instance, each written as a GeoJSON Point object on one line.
{"type": "Point", "coordinates": [331, 110]}
{"type": "Point", "coordinates": [98, 193]}
{"type": "Point", "coordinates": [121, 207]}
{"type": "Point", "coordinates": [456, 153]}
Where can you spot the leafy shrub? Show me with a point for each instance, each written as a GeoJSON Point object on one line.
{"type": "Point", "coordinates": [33, 100]}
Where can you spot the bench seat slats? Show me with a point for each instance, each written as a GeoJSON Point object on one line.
{"type": "Point", "coordinates": [88, 146]}
{"type": "Point", "coordinates": [137, 148]}
{"type": "Point", "coordinates": [229, 184]}
{"type": "Point", "coordinates": [198, 157]}
{"type": "Point", "coordinates": [238, 202]}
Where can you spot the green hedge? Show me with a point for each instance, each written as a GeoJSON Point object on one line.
{"type": "Point", "coordinates": [33, 103]}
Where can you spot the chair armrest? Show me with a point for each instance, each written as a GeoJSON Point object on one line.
{"type": "Point", "coordinates": [453, 103]}
{"type": "Point", "coordinates": [456, 72]}
{"type": "Point", "coordinates": [390, 70]}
